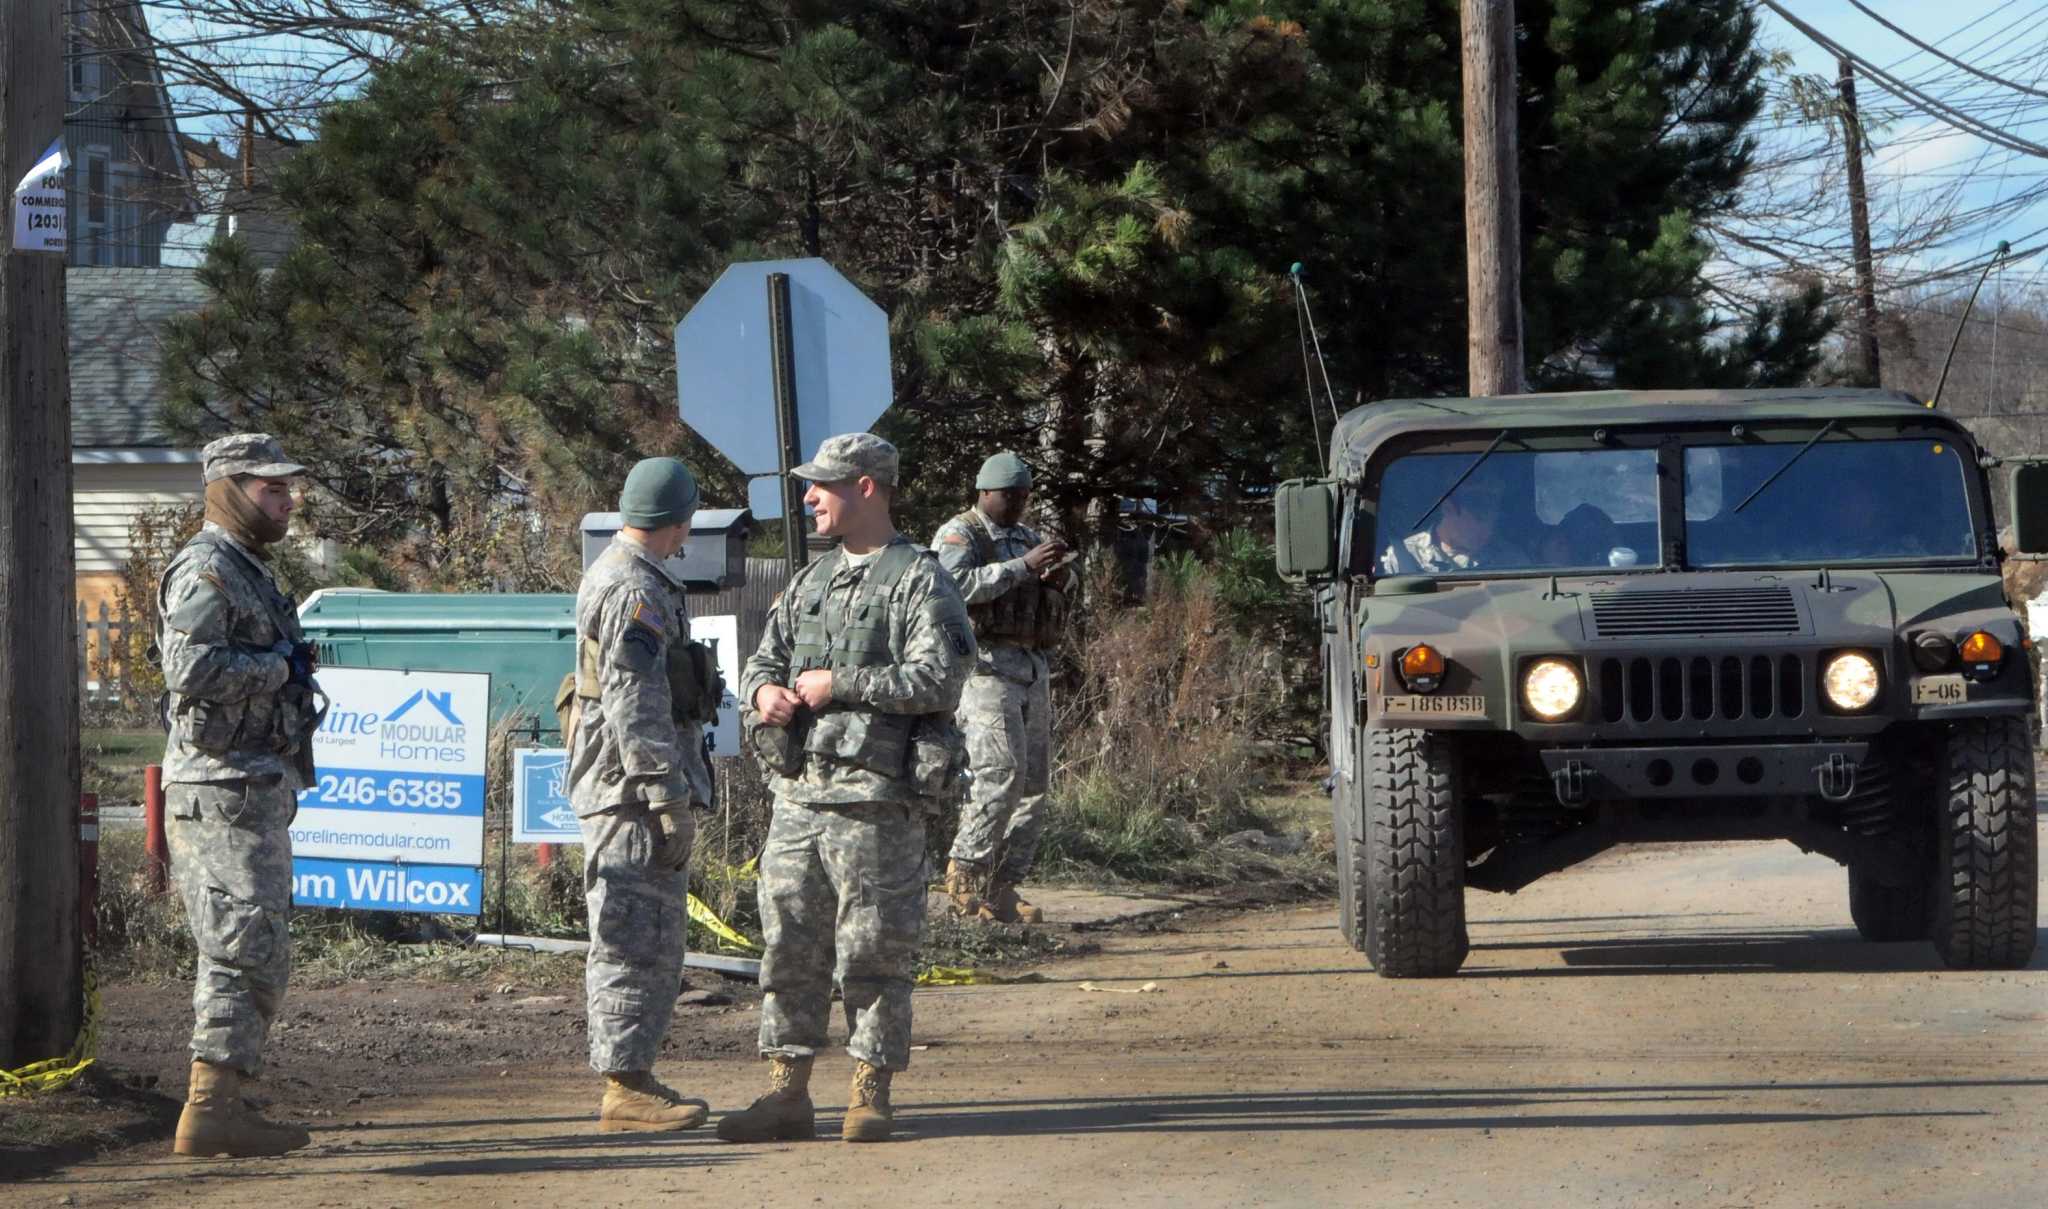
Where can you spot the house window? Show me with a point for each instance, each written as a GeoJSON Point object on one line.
{"type": "Point", "coordinates": [98, 206]}
{"type": "Point", "coordinates": [87, 68]}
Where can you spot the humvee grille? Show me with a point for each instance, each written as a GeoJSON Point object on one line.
{"type": "Point", "coordinates": [1700, 688]}
{"type": "Point", "coordinates": [1665, 613]}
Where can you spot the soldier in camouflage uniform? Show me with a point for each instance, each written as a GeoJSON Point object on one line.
{"type": "Point", "coordinates": [1016, 594]}
{"type": "Point", "coordinates": [850, 698]}
{"type": "Point", "coordinates": [635, 733]}
{"type": "Point", "coordinates": [240, 710]}
{"type": "Point", "coordinates": [1471, 531]}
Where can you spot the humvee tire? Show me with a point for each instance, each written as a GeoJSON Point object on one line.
{"type": "Point", "coordinates": [1346, 801]}
{"type": "Point", "coordinates": [1347, 828]}
{"type": "Point", "coordinates": [1984, 861]}
{"type": "Point", "coordinates": [1414, 863]}
{"type": "Point", "coordinates": [1887, 914]}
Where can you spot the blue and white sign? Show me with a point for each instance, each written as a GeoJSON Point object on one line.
{"type": "Point", "coordinates": [380, 886]}
{"type": "Point", "coordinates": [398, 790]}
{"type": "Point", "coordinates": [540, 797]}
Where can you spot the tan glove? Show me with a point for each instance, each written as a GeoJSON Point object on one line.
{"type": "Point", "coordinates": [675, 828]}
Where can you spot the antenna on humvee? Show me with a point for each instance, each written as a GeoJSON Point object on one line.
{"type": "Point", "coordinates": [1997, 254]}
{"type": "Point", "coordinates": [1305, 322]}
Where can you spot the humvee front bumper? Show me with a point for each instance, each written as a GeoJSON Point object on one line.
{"type": "Point", "coordinates": [1734, 770]}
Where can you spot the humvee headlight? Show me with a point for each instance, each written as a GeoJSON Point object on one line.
{"type": "Point", "coordinates": [1551, 688]}
{"type": "Point", "coordinates": [1850, 680]}
{"type": "Point", "coordinates": [1422, 668]}
{"type": "Point", "coordinates": [1982, 648]}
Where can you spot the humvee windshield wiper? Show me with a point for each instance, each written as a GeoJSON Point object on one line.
{"type": "Point", "coordinates": [1825, 429]}
{"type": "Point", "coordinates": [1416, 525]}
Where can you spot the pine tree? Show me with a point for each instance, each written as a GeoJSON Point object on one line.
{"type": "Point", "coordinates": [1077, 213]}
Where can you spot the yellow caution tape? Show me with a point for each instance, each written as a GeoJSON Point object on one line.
{"type": "Point", "coordinates": [51, 1074]}
{"type": "Point", "coordinates": [47, 1075]}
{"type": "Point", "coordinates": [968, 976]}
{"type": "Point", "coordinates": [954, 976]}
{"type": "Point", "coordinates": [708, 919]}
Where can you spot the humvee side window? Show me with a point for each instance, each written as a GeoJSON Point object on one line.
{"type": "Point", "coordinates": [1519, 511]}
{"type": "Point", "coordinates": [1843, 501]}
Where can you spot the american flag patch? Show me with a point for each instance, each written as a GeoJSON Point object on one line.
{"type": "Point", "coordinates": [645, 616]}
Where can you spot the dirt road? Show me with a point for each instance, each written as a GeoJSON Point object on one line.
{"type": "Point", "coordinates": [1694, 1027]}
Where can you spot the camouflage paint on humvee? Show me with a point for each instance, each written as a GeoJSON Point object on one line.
{"type": "Point", "coordinates": [1555, 623]}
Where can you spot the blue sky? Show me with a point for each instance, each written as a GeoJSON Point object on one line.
{"type": "Point", "coordinates": [1920, 162]}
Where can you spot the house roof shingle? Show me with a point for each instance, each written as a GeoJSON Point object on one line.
{"type": "Point", "coordinates": [115, 320]}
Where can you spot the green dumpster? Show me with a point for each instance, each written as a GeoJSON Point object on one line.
{"type": "Point", "coordinates": [526, 641]}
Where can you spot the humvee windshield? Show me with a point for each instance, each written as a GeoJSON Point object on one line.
{"type": "Point", "coordinates": [1518, 511]}
{"type": "Point", "coordinates": [1842, 501]}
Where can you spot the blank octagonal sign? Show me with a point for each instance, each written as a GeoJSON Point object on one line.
{"type": "Point", "coordinates": [725, 381]}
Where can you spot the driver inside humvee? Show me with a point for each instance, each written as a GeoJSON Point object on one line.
{"type": "Point", "coordinates": [1472, 529]}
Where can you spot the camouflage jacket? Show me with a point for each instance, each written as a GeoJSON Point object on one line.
{"type": "Point", "coordinates": [630, 748]}
{"type": "Point", "coordinates": [930, 652]}
{"type": "Point", "coordinates": [224, 638]}
{"type": "Point", "coordinates": [1426, 553]}
{"type": "Point", "coordinates": [963, 552]}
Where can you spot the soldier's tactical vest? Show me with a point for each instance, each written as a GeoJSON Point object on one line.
{"type": "Point", "coordinates": [925, 749]}
{"type": "Point", "coordinates": [285, 724]}
{"type": "Point", "coordinates": [1032, 614]}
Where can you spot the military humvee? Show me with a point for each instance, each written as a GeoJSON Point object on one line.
{"type": "Point", "coordinates": [1555, 623]}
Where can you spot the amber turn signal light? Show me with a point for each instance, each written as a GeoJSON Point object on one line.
{"type": "Point", "coordinates": [1422, 667]}
{"type": "Point", "coordinates": [1982, 648]}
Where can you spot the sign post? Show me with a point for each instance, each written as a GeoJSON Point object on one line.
{"type": "Point", "coordinates": [782, 349]}
{"type": "Point", "coordinates": [394, 820]}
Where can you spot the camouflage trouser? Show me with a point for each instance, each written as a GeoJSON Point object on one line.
{"type": "Point", "coordinates": [842, 901]}
{"type": "Point", "coordinates": [231, 853]}
{"type": "Point", "coordinates": [635, 968]}
{"type": "Point", "coordinates": [1009, 748]}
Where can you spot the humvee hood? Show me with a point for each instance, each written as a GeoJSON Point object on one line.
{"type": "Point", "coordinates": [1853, 608]}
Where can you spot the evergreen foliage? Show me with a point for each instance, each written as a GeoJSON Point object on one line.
{"type": "Point", "coordinates": [1078, 214]}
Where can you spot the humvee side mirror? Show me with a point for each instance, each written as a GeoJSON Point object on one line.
{"type": "Point", "coordinates": [2029, 511]}
{"type": "Point", "coordinates": [1305, 528]}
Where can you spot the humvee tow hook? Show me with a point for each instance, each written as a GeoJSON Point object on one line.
{"type": "Point", "coordinates": [1837, 778]}
{"type": "Point", "coordinates": [1570, 782]}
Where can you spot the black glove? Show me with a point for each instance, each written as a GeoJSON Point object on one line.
{"type": "Point", "coordinates": [303, 659]}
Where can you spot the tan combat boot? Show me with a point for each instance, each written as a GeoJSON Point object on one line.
{"type": "Point", "coordinates": [636, 1100]}
{"type": "Point", "coordinates": [964, 883]}
{"type": "Point", "coordinates": [1009, 906]}
{"type": "Point", "coordinates": [216, 1124]}
{"type": "Point", "coordinates": [868, 1115]}
{"type": "Point", "coordinates": [785, 1114]}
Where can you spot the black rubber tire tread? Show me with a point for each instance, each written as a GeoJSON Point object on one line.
{"type": "Point", "coordinates": [1890, 914]}
{"type": "Point", "coordinates": [1985, 862]}
{"type": "Point", "coordinates": [1347, 822]}
{"type": "Point", "coordinates": [1415, 856]}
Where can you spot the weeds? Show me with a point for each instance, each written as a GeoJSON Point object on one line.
{"type": "Point", "coordinates": [1158, 754]}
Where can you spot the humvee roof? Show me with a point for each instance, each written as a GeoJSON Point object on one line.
{"type": "Point", "coordinates": [1364, 429]}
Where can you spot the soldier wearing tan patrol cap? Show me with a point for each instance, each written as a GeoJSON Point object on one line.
{"type": "Point", "coordinates": [849, 705]}
{"type": "Point", "coordinates": [240, 708]}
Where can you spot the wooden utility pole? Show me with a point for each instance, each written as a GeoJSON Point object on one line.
{"type": "Point", "coordinates": [1859, 224]}
{"type": "Point", "coordinates": [1493, 200]}
{"type": "Point", "coordinates": [41, 962]}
